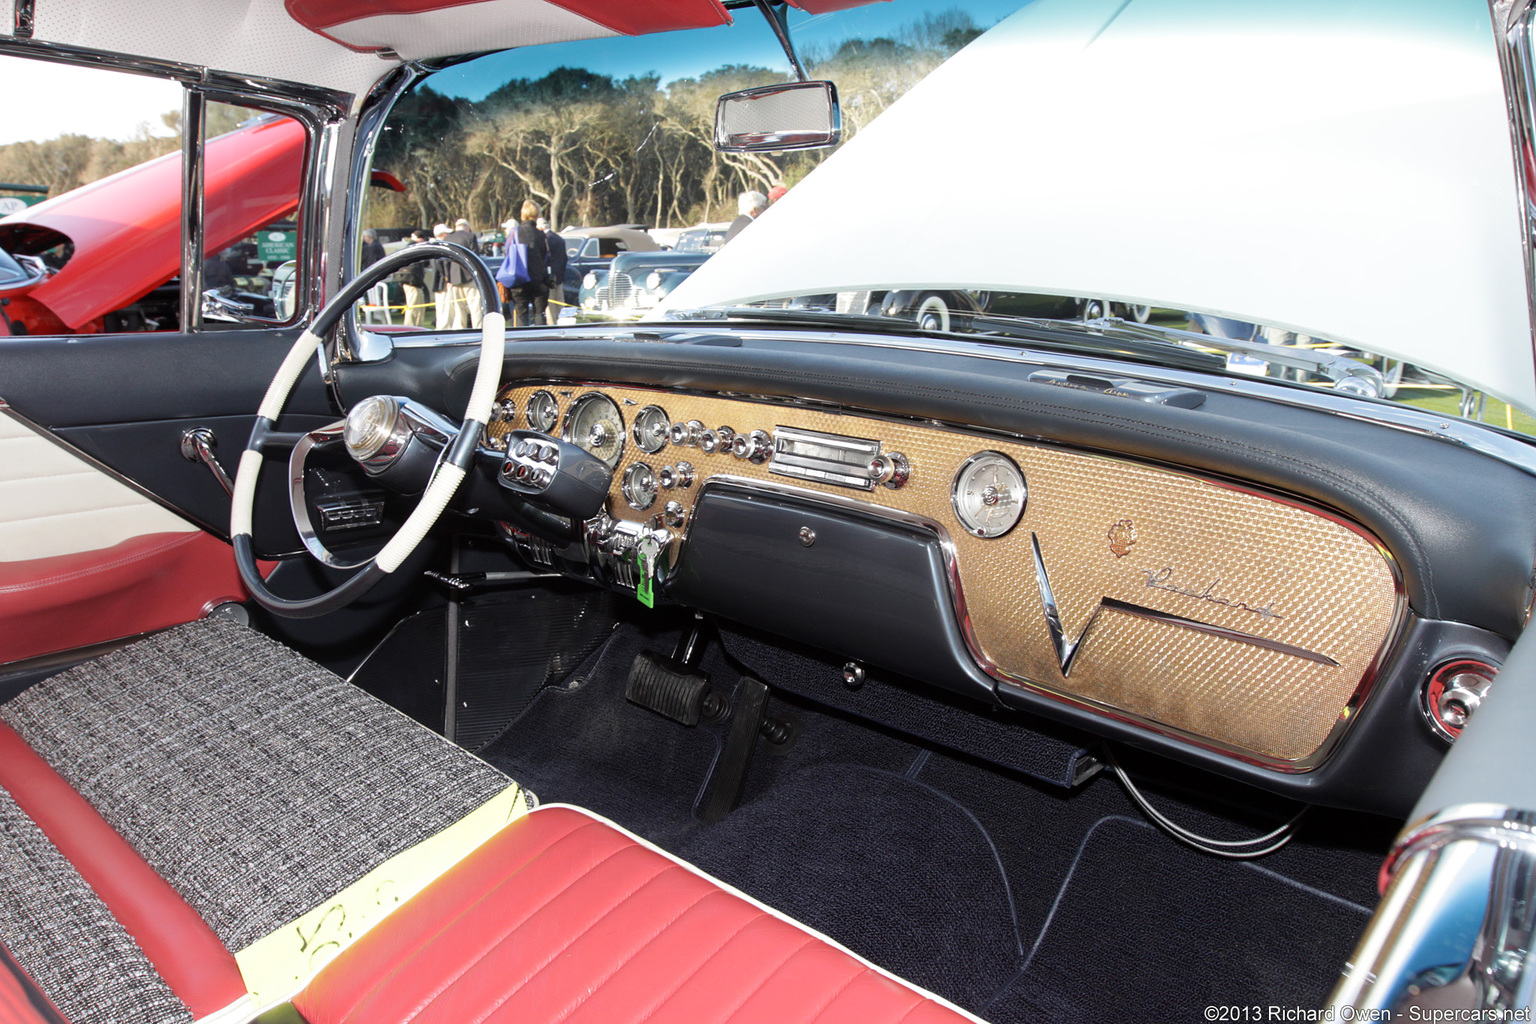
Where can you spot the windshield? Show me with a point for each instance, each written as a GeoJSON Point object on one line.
{"type": "Point", "coordinates": [605, 147]}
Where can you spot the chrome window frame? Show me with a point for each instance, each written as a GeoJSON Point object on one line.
{"type": "Point", "coordinates": [322, 112]}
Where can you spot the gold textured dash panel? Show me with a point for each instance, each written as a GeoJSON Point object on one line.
{"type": "Point", "coordinates": [1192, 549]}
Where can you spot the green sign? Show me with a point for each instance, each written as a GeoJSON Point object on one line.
{"type": "Point", "coordinates": [277, 246]}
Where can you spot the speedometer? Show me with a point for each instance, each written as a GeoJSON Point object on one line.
{"type": "Point", "coordinates": [989, 494]}
{"type": "Point", "coordinates": [596, 425]}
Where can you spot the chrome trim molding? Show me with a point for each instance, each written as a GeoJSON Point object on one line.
{"type": "Point", "coordinates": [194, 108]}
{"type": "Point", "coordinates": [1455, 925]}
{"type": "Point", "coordinates": [326, 436]}
{"type": "Point", "coordinates": [1512, 28]}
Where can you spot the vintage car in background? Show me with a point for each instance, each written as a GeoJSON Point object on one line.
{"type": "Point", "coordinates": [707, 238]}
{"type": "Point", "coordinates": [589, 249]}
{"type": "Point", "coordinates": [770, 658]}
{"type": "Point", "coordinates": [634, 283]}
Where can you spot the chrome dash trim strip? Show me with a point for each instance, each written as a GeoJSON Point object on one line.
{"type": "Point", "coordinates": [1237, 635]}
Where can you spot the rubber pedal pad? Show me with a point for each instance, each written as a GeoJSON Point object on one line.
{"type": "Point", "coordinates": [667, 688]}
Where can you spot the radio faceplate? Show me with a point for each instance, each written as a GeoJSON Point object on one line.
{"type": "Point", "coordinates": [824, 458]}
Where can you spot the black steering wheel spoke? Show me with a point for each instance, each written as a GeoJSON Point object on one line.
{"type": "Point", "coordinates": [441, 475]}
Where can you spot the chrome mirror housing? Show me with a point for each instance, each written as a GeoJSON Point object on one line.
{"type": "Point", "coordinates": [774, 118]}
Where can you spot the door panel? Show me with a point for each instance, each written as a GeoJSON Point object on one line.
{"type": "Point", "coordinates": [85, 559]}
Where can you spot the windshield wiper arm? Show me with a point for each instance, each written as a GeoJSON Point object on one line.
{"type": "Point", "coordinates": [1349, 376]}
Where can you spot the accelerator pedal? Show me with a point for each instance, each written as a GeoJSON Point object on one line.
{"type": "Point", "coordinates": [669, 687]}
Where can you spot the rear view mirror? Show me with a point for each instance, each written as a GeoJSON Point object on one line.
{"type": "Point", "coordinates": [772, 118]}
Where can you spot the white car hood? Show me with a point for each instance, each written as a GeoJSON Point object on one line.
{"type": "Point", "coordinates": [1342, 170]}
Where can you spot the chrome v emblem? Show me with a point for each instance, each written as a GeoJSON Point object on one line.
{"type": "Point", "coordinates": [1067, 650]}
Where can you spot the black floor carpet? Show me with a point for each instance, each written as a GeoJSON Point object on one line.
{"type": "Point", "coordinates": [1018, 900]}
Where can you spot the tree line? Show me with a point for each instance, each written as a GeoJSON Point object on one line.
{"type": "Point", "coordinates": [591, 149]}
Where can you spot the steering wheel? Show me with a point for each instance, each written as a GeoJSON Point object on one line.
{"type": "Point", "coordinates": [364, 429]}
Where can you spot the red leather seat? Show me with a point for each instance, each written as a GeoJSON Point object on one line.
{"type": "Point", "coordinates": [563, 917]}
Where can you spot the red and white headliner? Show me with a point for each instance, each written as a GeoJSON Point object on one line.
{"type": "Point", "coordinates": [345, 44]}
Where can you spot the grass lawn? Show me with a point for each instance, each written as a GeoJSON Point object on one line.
{"type": "Point", "coordinates": [1495, 412]}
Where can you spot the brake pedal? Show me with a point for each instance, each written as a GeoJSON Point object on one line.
{"type": "Point", "coordinates": [670, 688]}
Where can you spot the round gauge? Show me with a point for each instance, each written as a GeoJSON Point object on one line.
{"type": "Point", "coordinates": [594, 424]}
{"type": "Point", "coordinates": [640, 486]}
{"type": "Point", "coordinates": [543, 412]}
{"type": "Point", "coordinates": [650, 429]}
{"type": "Point", "coordinates": [989, 494]}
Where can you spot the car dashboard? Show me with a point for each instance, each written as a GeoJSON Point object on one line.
{"type": "Point", "coordinates": [1155, 562]}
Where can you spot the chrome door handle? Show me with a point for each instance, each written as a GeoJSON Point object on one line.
{"type": "Point", "coordinates": [197, 445]}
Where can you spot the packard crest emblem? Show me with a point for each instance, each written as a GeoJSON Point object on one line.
{"type": "Point", "coordinates": [1121, 536]}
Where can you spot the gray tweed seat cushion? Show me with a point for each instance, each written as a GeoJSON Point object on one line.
{"type": "Point", "coordinates": [254, 781]}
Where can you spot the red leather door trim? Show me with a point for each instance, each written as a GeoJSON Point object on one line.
{"type": "Point", "coordinates": [562, 918]}
{"type": "Point", "coordinates": [143, 584]}
{"type": "Point", "coordinates": [191, 959]}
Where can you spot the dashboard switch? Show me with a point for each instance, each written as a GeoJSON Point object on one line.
{"type": "Point", "coordinates": [893, 470]}
{"type": "Point", "coordinates": [756, 446]}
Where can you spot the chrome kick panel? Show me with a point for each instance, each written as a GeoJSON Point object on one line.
{"type": "Point", "coordinates": [825, 458]}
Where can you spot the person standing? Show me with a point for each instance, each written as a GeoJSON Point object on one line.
{"type": "Point", "coordinates": [373, 249]}
{"type": "Point", "coordinates": [557, 254]}
{"type": "Point", "coordinates": [463, 296]}
{"type": "Point", "coordinates": [529, 301]}
{"type": "Point", "coordinates": [440, 295]}
{"type": "Point", "coordinates": [750, 206]}
{"type": "Point", "coordinates": [413, 280]}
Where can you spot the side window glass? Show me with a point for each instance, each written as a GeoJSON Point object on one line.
{"type": "Point", "coordinates": [90, 201]}
{"type": "Point", "coordinates": [253, 172]}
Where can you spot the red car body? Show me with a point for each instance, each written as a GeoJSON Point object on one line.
{"type": "Point", "coordinates": [126, 228]}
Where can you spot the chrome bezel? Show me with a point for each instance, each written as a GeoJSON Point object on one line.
{"type": "Point", "coordinates": [577, 409]}
{"type": "Point", "coordinates": [963, 516]}
{"type": "Point", "coordinates": [539, 397]}
{"type": "Point", "coordinates": [636, 432]}
{"type": "Point", "coordinates": [628, 486]}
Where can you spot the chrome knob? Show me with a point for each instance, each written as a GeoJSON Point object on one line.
{"type": "Point", "coordinates": [673, 513]}
{"type": "Point", "coordinates": [756, 446]}
{"type": "Point", "coordinates": [695, 432]}
{"type": "Point", "coordinates": [677, 433]}
{"type": "Point", "coordinates": [685, 474]}
{"type": "Point", "coordinates": [709, 441]}
{"type": "Point", "coordinates": [726, 434]}
{"type": "Point", "coordinates": [893, 470]}
{"type": "Point", "coordinates": [666, 476]}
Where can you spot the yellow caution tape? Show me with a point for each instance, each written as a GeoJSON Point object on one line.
{"type": "Point", "coordinates": [278, 966]}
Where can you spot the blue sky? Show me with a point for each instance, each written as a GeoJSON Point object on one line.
{"type": "Point", "coordinates": [674, 55]}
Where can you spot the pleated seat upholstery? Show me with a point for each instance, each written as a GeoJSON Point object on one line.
{"type": "Point", "coordinates": [563, 917]}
